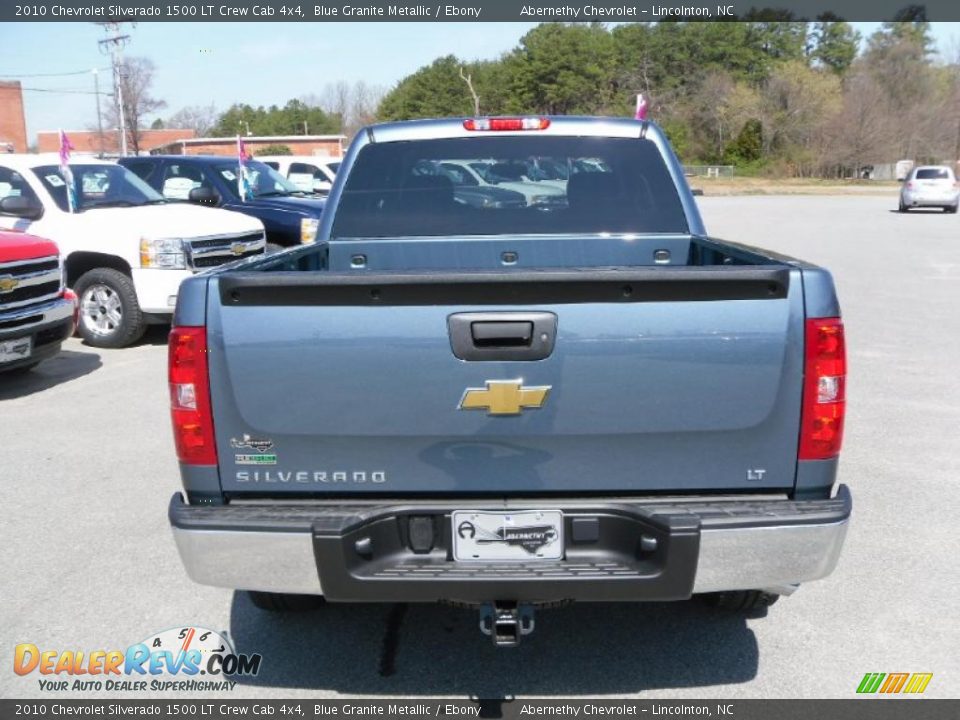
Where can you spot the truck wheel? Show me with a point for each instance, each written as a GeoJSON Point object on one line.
{"type": "Point", "coordinates": [110, 315]}
{"type": "Point", "coordinates": [951, 208]}
{"type": "Point", "coordinates": [741, 600]}
{"type": "Point", "coordinates": [284, 602]}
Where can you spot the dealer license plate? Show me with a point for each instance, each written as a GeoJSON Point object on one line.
{"type": "Point", "coordinates": [19, 349]}
{"type": "Point", "coordinates": [498, 536]}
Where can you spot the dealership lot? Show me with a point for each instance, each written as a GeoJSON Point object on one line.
{"type": "Point", "coordinates": [90, 563]}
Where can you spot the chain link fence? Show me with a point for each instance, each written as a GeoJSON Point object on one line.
{"type": "Point", "coordinates": [709, 171]}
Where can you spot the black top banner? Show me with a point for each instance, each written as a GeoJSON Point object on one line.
{"type": "Point", "coordinates": [476, 10]}
{"type": "Point", "coordinates": [48, 708]}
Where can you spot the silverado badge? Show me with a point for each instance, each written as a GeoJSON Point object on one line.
{"type": "Point", "coordinates": [504, 397]}
{"type": "Point", "coordinates": [8, 283]}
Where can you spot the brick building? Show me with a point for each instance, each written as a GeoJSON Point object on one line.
{"type": "Point", "coordinates": [90, 141]}
{"type": "Point", "coordinates": [13, 125]}
{"type": "Point", "coordinates": [328, 145]}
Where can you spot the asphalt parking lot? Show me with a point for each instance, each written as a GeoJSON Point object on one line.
{"type": "Point", "coordinates": [89, 562]}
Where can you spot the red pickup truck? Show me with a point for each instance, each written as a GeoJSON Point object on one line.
{"type": "Point", "coordinates": [37, 312]}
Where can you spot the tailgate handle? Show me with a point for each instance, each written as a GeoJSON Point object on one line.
{"type": "Point", "coordinates": [502, 335]}
{"type": "Point", "coordinates": [517, 333]}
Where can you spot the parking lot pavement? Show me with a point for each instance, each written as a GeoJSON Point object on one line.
{"type": "Point", "coordinates": [89, 562]}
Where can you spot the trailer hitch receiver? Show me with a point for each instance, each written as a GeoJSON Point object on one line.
{"type": "Point", "coordinates": [506, 622]}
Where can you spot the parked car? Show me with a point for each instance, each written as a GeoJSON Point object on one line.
{"type": "Point", "coordinates": [597, 403]}
{"type": "Point", "coordinates": [37, 311]}
{"type": "Point", "coordinates": [310, 173]}
{"type": "Point", "coordinates": [468, 191]}
{"type": "Point", "coordinates": [289, 215]}
{"type": "Point", "coordinates": [125, 248]}
{"type": "Point", "coordinates": [506, 175]}
{"type": "Point", "coordinates": [930, 186]}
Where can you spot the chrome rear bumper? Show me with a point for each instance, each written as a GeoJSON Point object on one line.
{"type": "Point", "coordinates": [755, 544]}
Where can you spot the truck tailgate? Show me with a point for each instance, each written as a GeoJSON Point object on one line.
{"type": "Point", "coordinates": [658, 379]}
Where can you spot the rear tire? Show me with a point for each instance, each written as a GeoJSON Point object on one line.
{"type": "Point", "coordinates": [284, 602]}
{"type": "Point", "coordinates": [110, 316]}
{"type": "Point", "coordinates": [741, 600]}
{"type": "Point", "coordinates": [951, 209]}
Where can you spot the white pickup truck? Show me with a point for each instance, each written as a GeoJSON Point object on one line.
{"type": "Point", "coordinates": [310, 173]}
{"type": "Point", "coordinates": [125, 247]}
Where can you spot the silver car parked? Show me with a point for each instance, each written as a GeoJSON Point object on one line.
{"type": "Point", "coordinates": [930, 186]}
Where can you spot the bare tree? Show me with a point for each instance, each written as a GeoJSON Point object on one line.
{"type": "Point", "coordinates": [136, 76]}
{"type": "Point", "coordinates": [199, 118]}
{"type": "Point", "coordinates": [355, 105]}
{"type": "Point", "coordinates": [468, 79]}
{"type": "Point", "coordinates": [863, 132]}
{"type": "Point", "coordinates": [363, 106]}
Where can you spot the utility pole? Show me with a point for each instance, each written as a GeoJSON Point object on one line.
{"type": "Point", "coordinates": [113, 45]}
{"type": "Point", "coordinates": [96, 92]}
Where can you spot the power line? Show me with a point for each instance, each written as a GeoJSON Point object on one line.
{"type": "Point", "coordinates": [69, 92]}
{"type": "Point", "coordinates": [38, 75]}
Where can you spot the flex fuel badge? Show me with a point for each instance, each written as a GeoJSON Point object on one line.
{"type": "Point", "coordinates": [255, 459]}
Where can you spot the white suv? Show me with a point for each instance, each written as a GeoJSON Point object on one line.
{"type": "Point", "coordinates": [125, 247]}
{"type": "Point", "coordinates": [930, 186]}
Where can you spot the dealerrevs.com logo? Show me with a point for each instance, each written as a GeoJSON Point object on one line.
{"type": "Point", "coordinates": [179, 659]}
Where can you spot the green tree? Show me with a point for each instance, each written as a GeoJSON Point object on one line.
{"type": "Point", "coordinates": [562, 69]}
{"type": "Point", "coordinates": [294, 118]}
{"type": "Point", "coordinates": [747, 148]}
{"type": "Point", "coordinates": [835, 44]}
{"type": "Point", "coordinates": [435, 90]}
{"type": "Point", "coordinates": [277, 149]}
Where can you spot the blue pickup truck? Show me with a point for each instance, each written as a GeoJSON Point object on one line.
{"type": "Point", "coordinates": [510, 407]}
{"type": "Point", "coordinates": [289, 215]}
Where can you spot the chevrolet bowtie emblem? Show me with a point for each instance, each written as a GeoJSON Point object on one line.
{"type": "Point", "coordinates": [504, 397]}
{"type": "Point", "coordinates": [8, 284]}
{"type": "Point", "coordinates": [238, 248]}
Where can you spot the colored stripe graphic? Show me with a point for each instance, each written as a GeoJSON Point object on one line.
{"type": "Point", "coordinates": [918, 682]}
{"type": "Point", "coordinates": [870, 682]}
{"type": "Point", "coordinates": [894, 682]}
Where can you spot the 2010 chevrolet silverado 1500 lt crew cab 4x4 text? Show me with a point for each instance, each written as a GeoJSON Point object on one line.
{"type": "Point", "coordinates": [510, 407]}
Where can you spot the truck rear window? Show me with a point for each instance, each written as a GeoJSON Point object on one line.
{"type": "Point", "coordinates": [547, 185]}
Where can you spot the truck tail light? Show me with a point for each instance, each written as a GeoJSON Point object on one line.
{"type": "Point", "coordinates": [190, 396]}
{"type": "Point", "coordinates": [824, 389]}
{"type": "Point", "coordinates": [515, 123]}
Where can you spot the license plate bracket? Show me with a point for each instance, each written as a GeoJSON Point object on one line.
{"type": "Point", "coordinates": [505, 536]}
{"type": "Point", "coordinates": [16, 349]}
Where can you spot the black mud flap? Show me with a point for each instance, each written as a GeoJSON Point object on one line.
{"type": "Point", "coordinates": [611, 553]}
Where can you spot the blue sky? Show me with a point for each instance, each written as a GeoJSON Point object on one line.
{"type": "Point", "coordinates": [260, 64]}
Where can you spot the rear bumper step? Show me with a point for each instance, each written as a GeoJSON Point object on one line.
{"type": "Point", "coordinates": [621, 549]}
